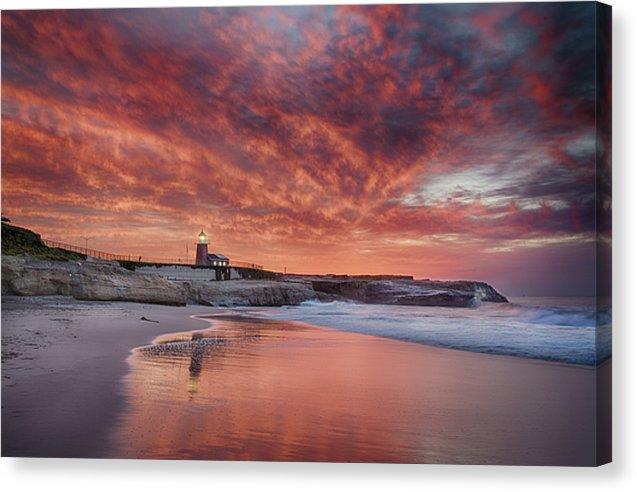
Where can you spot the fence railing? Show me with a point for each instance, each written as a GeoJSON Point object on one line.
{"type": "Point", "coordinates": [87, 251]}
{"type": "Point", "coordinates": [136, 258]}
{"type": "Point", "coordinates": [245, 264]}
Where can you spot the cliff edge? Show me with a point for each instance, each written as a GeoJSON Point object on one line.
{"type": "Point", "coordinates": [28, 275]}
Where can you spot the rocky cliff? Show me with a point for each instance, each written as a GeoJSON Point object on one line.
{"type": "Point", "coordinates": [103, 281]}
{"type": "Point", "coordinates": [249, 293]}
{"type": "Point", "coordinates": [85, 280]}
{"type": "Point", "coordinates": [409, 292]}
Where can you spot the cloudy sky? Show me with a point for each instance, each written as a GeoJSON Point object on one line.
{"type": "Point", "coordinates": [439, 141]}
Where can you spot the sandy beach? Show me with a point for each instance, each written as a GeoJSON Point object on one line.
{"type": "Point", "coordinates": [62, 364]}
{"type": "Point", "coordinates": [273, 390]}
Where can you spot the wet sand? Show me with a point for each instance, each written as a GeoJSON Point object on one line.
{"type": "Point", "coordinates": [266, 390]}
{"type": "Point", "coordinates": [62, 366]}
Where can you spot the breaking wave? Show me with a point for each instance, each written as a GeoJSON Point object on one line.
{"type": "Point", "coordinates": [564, 330]}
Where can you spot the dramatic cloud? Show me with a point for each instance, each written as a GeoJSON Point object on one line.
{"type": "Point", "coordinates": [436, 140]}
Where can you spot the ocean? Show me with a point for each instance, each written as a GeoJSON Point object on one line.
{"type": "Point", "coordinates": [562, 329]}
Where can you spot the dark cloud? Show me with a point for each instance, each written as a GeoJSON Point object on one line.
{"type": "Point", "coordinates": [313, 126]}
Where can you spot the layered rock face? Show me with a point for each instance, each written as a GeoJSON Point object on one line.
{"type": "Point", "coordinates": [410, 292]}
{"type": "Point", "coordinates": [249, 293]}
{"type": "Point", "coordinates": [85, 280]}
{"type": "Point", "coordinates": [103, 281]}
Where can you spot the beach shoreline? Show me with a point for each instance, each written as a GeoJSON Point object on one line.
{"type": "Point", "coordinates": [49, 342]}
{"type": "Point", "coordinates": [63, 361]}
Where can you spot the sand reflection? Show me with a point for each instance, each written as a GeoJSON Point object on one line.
{"type": "Point", "coordinates": [270, 390]}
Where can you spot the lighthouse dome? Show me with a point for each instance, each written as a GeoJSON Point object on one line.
{"type": "Point", "coordinates": [202, 238]}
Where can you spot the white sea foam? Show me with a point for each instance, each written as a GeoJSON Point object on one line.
{"type": "Point", "coordinates": [565, 330]}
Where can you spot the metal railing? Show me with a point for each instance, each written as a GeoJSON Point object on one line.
{"type": "Point", "coordinates": [86, 251]}
{"type": "Point", "coordinates": [245, 264]}
{"type": "Point", "coordinates": [135, 258]}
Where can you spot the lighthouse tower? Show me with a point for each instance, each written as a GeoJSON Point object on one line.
{"type": "Point", "coordinates": [202, 249]}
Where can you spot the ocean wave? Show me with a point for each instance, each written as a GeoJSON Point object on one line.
{"type": "Point", "coordinates": [584, 316]}
{"type": "Point", "coordinates": [578, 334]}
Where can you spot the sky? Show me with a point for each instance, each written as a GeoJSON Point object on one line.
{"type": "Point", "coordinates": [444, 142]}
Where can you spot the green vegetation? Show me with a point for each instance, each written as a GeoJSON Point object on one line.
{"type": "Point", "coordinates": [16, 240]}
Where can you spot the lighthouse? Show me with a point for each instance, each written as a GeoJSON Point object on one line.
{"type": "Point", "coordinates": [204, 258]}
{"type": "Point", "coordinates": [202, 249]}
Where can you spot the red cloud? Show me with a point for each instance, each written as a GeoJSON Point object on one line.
{"type": "Point", "coordinates": [316, 138]}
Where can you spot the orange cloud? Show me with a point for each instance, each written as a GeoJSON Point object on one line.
{"type": "Point", "coordinates": [368, 139]}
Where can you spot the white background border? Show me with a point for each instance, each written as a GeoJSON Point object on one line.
{"type": "Point", "coordinates": [49, 475]}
